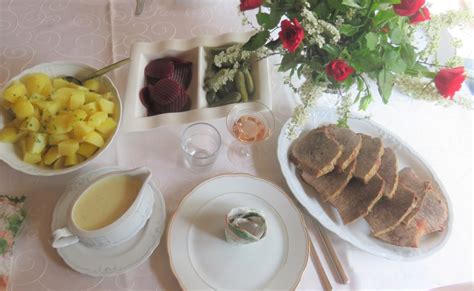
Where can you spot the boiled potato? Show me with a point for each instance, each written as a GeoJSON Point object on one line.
{"type": "Point", "coordinates": [90, 108]}
{"type": "Point", "coordinates": [55, 139]}
{"type": "Point", "coordinates": [91, 97]}
{"type": "Point", "coordinates": [81, 128]}
{"type": "Point", "coordinates": [71, 160]}
{"type": "Point", "coordinates": [107, 127]}
{"type": "Point", "coordinates": [94, 138]}
{"type": "Point", "coordinates": [9, 134]}
{"type": "Point", "coordinates": [76, 100]}
{"type": "Point", "coordinates": [23, 109]}
{"type": "Point", "coordinates": [36, 142]}
{"type": "Point", "coordinates": [96, 119]}
{"type": "Point", "coordinates": [93, 85]}
{"type": "Point", "coordinates": [57, 123]}
{"type": "Point", "coordinates": [86, 149]}
{"type": "Point", "coordinates": [14, 91]}
{"type": "Point", "coordinates": [68, 147]}
{"type": "Point", "coordinates": [106, 105]}
{"type": "Point", "coordinates": [38, 83]}
{"type": "Point", "coordinates": [61, 124]}
{"type": "Point", "coordinates": [31, 124]}
{"type": "Point", "coordinates": [51, 155]}
{"type": "Point", "coordinates": [31, 158]}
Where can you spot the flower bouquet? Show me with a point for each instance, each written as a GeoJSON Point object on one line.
{"type": "Point", "coordinates": [343, 45]}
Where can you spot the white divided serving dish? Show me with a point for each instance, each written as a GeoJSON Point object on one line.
{"type": "Point", "coordinates": [193, 50]}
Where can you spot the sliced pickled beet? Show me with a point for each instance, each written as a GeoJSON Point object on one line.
{"type": "Point", "coordinates": [165, 91]}
{"type": "Point", "coordinates": [182, 74]}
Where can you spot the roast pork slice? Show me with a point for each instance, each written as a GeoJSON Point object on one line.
{"type": "Point", "coordinates": [316, 153]}
{"type": "Point", "coordinates": [369, 158]}
{"type": "Point", "coordinates": [358, 198]}
{"type": "Point", "coordinates": [408, 177]}
{"type": "Point", "coordinates": [405, 235]}
{"type": "Point", "coordinates": [389, 213]}
{"type": "Point", "coordinates": [331, 184]}
{"type": "Point", "coordinates": [389, 172]}
{"type": "Point", "coordinates": [350, 142]}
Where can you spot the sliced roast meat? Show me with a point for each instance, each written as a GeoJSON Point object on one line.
{"type": "Point", "coordinates": [350, 142]}
{"type": "Point", "coordinates": [389, 172]}
{"type": "Point", "coordinates": [369, 158]}
{"type": "Point", "coordinates": [316, 153]}
{"type": "Point", "coordinates": [389, 213]}
{"type": "Point", "coordinates": [331, 184]}
{"type": "Point", "coordinates": [358, 198]}
{"type": "Point", "coordinates": [405, 235]}
{"type": "Point", "coordinates": [408, 177]}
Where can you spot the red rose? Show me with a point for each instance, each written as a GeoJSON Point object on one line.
{"type": "Point", "coordinates": [339, 70]}
{"type": "Point", "coordinates": [420, 16]}
{"type": "Point", "coordinates": [250, 4]}
{"type": "Point", "coordinates": [449, 81]}
{"type": "Point", "coordinates": [408, 7]}
{"type": "Point", "coordinates": [291, 34]}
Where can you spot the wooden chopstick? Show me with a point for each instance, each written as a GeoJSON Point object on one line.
{"type": "Point", "coordinates": [319, 268]}
{"type": "Point", "coordinates": [333, 255]}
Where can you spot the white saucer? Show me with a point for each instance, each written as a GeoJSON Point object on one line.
{"type": "Point", "coordinates": [114, 260]}
{"type": "Point", "coordinates": [200, 256]}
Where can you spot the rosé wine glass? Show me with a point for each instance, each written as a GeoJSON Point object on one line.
{"type": "Point", "coordinates": [249, 123]}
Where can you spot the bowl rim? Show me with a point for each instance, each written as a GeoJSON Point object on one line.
{"type": "Point", "coordinates": [34, 170]}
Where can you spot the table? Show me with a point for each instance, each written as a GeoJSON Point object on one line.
{"type": "Point", "coordinates": [98, 32]}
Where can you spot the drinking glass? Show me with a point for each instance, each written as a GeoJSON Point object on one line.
{"type": "Point", "coordinates": [200, 143]}
{"type": "Point", "coordinates": [249, 123]}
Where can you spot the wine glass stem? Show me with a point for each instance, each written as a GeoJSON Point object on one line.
{"type": "Point", "coordinates": [244, 151]}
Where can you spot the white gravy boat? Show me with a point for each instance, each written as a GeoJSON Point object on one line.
{"type": "Point", "coordinates": [119, 231]}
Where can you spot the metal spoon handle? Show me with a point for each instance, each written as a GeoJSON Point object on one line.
{"type": "Point", "coordinates": [105, 70]}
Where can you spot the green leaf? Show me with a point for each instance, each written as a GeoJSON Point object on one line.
{"type": "Point", "coordinates": [287, 62]}
{"type": "Point", "coordinates": [257, 40]}
{"type": "Point", "coordinates": [383, 16]}
{"type": "Point", "coordinates": [14, 223]}
{"type": "Point", "coordinates": [388, 1]}
{"type": "Point", "coordinates": [366, 61]}
{"type": "Point", "coordinates": [393, 61]}
{"type": "Point", "coordinates": [263, 18]}
{"type": "Point", "coordinates": [272, 45]}
{"type": "Point", "coordinates": [3, 246]}
{"type": "Point", "coordinates": [385, 82]}
{"type": "Point", "coordinates": [372, 40]}
{"type": "Point", "coordinates": [365, 101]}
{"type": "Point", "coordinates": [348, 30]}
{"type": "Point", "coordinates": [407, 53]}
{"type": "Point", "coordinates": [331, 50]}
{"type": "Point", "coordinates": [396, 35]}
{"type": "Point", "coordinates": [351, 3]}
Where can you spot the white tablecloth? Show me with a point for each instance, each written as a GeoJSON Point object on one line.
{"type": "Point", "coordinates": [98, 32]}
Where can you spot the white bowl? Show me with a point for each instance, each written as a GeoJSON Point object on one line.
{"type": "Point", "coordinates": [8, 153]}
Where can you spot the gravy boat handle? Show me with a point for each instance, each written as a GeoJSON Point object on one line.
{"type": "Point", "coordinates": [63, 237]}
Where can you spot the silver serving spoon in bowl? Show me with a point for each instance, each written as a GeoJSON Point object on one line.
{"type": "Point", "coordinates": [97, 73]}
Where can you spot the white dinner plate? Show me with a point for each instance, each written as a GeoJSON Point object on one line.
{"type": "Point", "coordinates": [114, 260]}
{"type": "Point", "coordinates": [200, 256]}
{"type": "Point", "coordinates": [358, 233]}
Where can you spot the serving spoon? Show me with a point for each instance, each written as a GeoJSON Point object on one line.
{"type": "Point", "coordinates": [97, 73]}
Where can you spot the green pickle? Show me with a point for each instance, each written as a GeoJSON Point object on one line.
{"type": "Point", "coordinates": [233, 97]}
{"type": "Point", "coordinates": [249, 82]}
{"type": "Point", "coordinates": [240, 84]}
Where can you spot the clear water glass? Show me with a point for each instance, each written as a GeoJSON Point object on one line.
{"type": "Point", "coordinates": [200, 143]}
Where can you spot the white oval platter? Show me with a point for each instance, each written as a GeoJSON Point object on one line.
{"type": "Point", "coordinates": [358, 233]}
{"type": "Point", "coordinates": [200, 256]}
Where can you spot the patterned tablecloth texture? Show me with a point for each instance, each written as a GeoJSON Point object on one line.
{"type": "Point", "coordinates": [98, 32]}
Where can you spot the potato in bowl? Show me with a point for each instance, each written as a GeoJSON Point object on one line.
{"type": "Point", "coordinates": [50, 126]}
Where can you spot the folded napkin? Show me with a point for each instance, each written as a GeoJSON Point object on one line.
{"type": "Point", "coordinates": [12, 215]}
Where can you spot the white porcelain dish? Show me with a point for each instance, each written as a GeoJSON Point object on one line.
{"type": "Point", "coordinates": [56, 69]}
{"type": "Point", "coordinates": [358, 233]}
{"type": "Point", "coordinates": [195, 51]}
{"type": "Point", "coordinates": [200, 256]}
{"type": "Point", "coordinates": [121, 230]}
{"type": "Point", "coordinates": [117, 259]}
